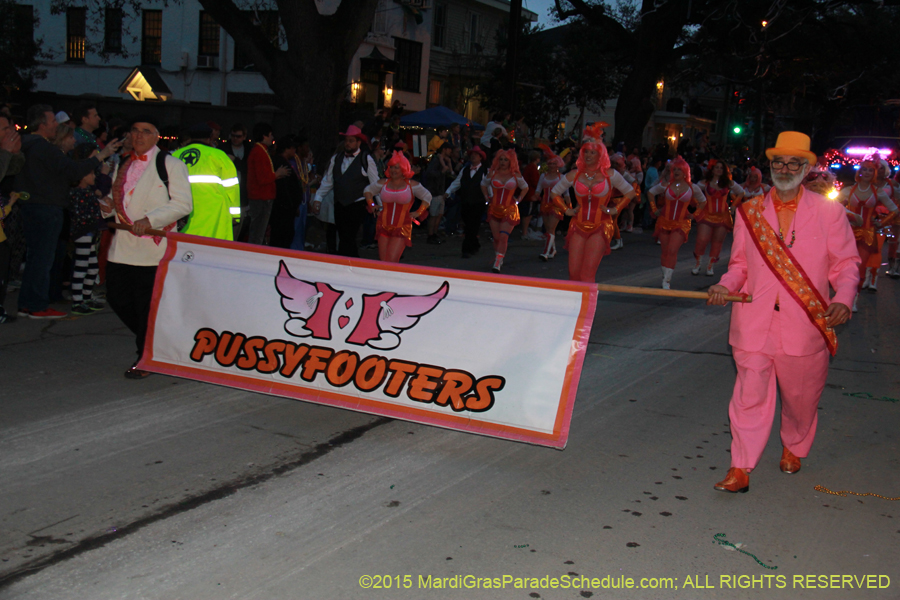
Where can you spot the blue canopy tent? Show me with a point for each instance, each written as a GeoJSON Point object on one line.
{"type": "Point", "coordinates": [435, 117]}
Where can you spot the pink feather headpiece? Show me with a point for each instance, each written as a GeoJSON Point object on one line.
{"type": "Point", "coordinates": [552, 158]}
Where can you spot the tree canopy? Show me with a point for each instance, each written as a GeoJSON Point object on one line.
{"type": "Point", "coordinates": [810, 59]}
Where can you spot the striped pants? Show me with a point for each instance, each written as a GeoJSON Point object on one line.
{"type": "Point", "coordinates": [85, 272]}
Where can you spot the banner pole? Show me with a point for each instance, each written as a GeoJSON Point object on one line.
{"type": "Point", "coordinates": [644, 291]}
{"type": "Point", "coordinates": [126, 227]}
{"type": "Point", "coordinates": [616, 289]}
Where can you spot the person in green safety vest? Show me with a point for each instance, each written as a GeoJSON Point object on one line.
{"type": "Point", "coordinates": [214, 186]}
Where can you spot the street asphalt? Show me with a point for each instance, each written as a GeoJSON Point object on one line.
{"type": "Point", "coordinates": [169, 489]}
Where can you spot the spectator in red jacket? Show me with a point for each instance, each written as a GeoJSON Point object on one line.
{"type": "Point", "coordinates": [530, 205]}
{"type": "Point", "coordinates": [261, 176]}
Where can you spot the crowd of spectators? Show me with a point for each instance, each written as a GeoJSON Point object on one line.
{"type": "Point", "coordinates": [55, 173]}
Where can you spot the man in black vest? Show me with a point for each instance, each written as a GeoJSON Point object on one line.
{"type": "Point", "coordinates": [467, 186]}
{"type": "Point", "coordinates": [348, 174]}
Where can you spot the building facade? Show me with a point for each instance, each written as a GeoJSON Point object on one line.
{"type": "Point", "coordinates": [464, 42]}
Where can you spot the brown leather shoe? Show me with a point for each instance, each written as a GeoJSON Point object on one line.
{"type": "Point", "coordinates": [789, 464]}
{"type": "Point", "coordinates": [737, 481]}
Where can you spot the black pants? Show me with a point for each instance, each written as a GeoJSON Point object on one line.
{"type": "Point", "coordinates": [129, 290]}
{"type": "Point", "coordinates": [472, 214]}
{"type": "Point", "coordinates": [282, 224]}
{"type": "Point", "coordinates": [5, 257]}
{"type": "Point", "coordinates": [348, 219]}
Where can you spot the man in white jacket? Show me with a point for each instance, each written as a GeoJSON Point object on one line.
{"type": "Point", "coordinates": [141, 198]}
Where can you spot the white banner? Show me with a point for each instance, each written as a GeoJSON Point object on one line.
{"type": "Point", "coordinates": [495, 355]}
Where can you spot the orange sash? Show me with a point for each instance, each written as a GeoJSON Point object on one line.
{"type": "Point", "coordinates": [786, 268]}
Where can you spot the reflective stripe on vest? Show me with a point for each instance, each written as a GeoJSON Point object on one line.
{"type": "Point", "coordinates": [232, 181]}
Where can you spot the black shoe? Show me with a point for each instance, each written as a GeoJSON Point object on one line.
{"type": "Point", "coordinates": [134, 373]}
{"type": "Point", "coordinates": [81, 309]}
{"type": "Point", "coordinates": [433, 239]}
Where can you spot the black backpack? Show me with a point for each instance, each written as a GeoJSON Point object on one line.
{"type": "Point", "coordinates": [163, 174]}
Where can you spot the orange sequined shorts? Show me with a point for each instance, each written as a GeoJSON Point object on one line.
{"type": "Point", "coordinates": [550, 209]}
{"type": "Point", "coordinates": [667, 224]}
{"type": "Point", "coordinates": [866, 237]}
{"type": "Point", "coordinates": [509, 213]}
{"type": "Point", "coordinates": [720, 219]}
{"type": "Point", "coordinates": [399, 231]}
{"type": "Point", "coordinates": [605, 228]}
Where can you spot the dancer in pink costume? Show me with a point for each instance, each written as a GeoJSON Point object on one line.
{"type": "Point", "coordinates": [500, 186]}
{"type": "Point", "coordinates": [395, 219]}
{"type": "Point", "coordinates": [889, 233]}
{"type": "Point", "coordinates": [551, 212]}
{"type": "Point", "coordinates": [593, 223]}
{"type": "Point", "coordinates": [860, 201]}
{"type": "Point", "coordinates": [673, 223]}
{"type": "Point", "coordinates": [714, 222]}
{"type": "Point", "coordinates": [754, 185]}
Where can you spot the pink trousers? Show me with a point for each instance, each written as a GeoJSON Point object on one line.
{"type": "Point", "coordinates": [801, 380]}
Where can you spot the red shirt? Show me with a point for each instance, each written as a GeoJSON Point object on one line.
{"type": "Point", "coordinates": [531, 175]}
{"type": "Point", "coordinates": [260, 174]}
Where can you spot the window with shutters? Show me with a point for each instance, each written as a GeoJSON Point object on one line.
{"type": "Point", "coordinates": [112, 30]}
{"type": "Point", "coordinates": [408, 55]}
{"type": "Point", "coordinates": [208, 45]}
{"type": "Point", "coordinates": [75, 33]}
{"type": "Point", "coordinates": [434, 92]}
{"type": "Point", "coordinates": [151, 38]}
{"type": "Point", "coordinates": [439, 27]}
{"type": "Point", "coordinates": [475, 46]}
{"type": "Point", "coordinates": [379, 22]}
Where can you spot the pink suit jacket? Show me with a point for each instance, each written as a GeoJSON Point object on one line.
{"type": "Point", "coordinates": [824, 247]}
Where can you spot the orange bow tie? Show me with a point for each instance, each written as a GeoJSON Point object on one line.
{"type": "Point", "coordinates": [780, 206]}
{"type": "Point", "coordinates": [136, 156]}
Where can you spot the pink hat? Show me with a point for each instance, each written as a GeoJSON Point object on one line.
{"type": "Point", "coordinates": [353, 131]}
{"type": "Point", "coordinates": [477, 150]}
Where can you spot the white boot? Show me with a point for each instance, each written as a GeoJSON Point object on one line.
{"type": "Point", "coordinates": [552, 246]}
{"type": "Point", "coordinates": [709, 268]}
{"type": "Point", "coordinates": [667, 278]}
{"type": "Point", "coordinates": [545, 256]}
{"type": "Point", "coordinates": [895, 269]}
{"type": "Point", "coordinates": [855, 298]}
{"type": "Point", "coordinates": [868, 280]}
{"type": "Point", "coordinates": [873, 287]}
{"type": "Point", "coordinates": [498, 262]}
{"type": "Point", "coordinates": [696, 269]}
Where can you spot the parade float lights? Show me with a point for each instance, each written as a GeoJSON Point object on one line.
{"type": "Point", "coordinates": [852, 156]}
{"type": "Point", "coordinates": [861, 151]}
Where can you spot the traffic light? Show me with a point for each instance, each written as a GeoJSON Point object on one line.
{"type": "Point", "coordinates": [737, 129]}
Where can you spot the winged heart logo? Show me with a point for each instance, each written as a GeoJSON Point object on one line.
{"type": "Point", "coordinates": [312, 306]}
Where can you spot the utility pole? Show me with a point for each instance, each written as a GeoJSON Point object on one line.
{"type": "Point", "coordinates": [512, 52]}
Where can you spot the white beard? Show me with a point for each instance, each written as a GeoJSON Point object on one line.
{"type": "Point", "coordinates": [786, 183]}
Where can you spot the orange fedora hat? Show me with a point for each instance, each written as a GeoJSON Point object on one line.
{"type": "Point", "coordinates": [792, 143]}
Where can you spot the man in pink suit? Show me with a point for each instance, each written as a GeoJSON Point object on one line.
{"type": "Point", "coordinates": [788, 247]}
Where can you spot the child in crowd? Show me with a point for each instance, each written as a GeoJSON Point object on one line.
{"type": "Point", "coordinates": [6, 205]}
{"type": "Point", "coordinates": [86, 225]}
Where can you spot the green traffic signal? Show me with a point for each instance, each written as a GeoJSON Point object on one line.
{"type": "Point", "coordinates": [737, 129]}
